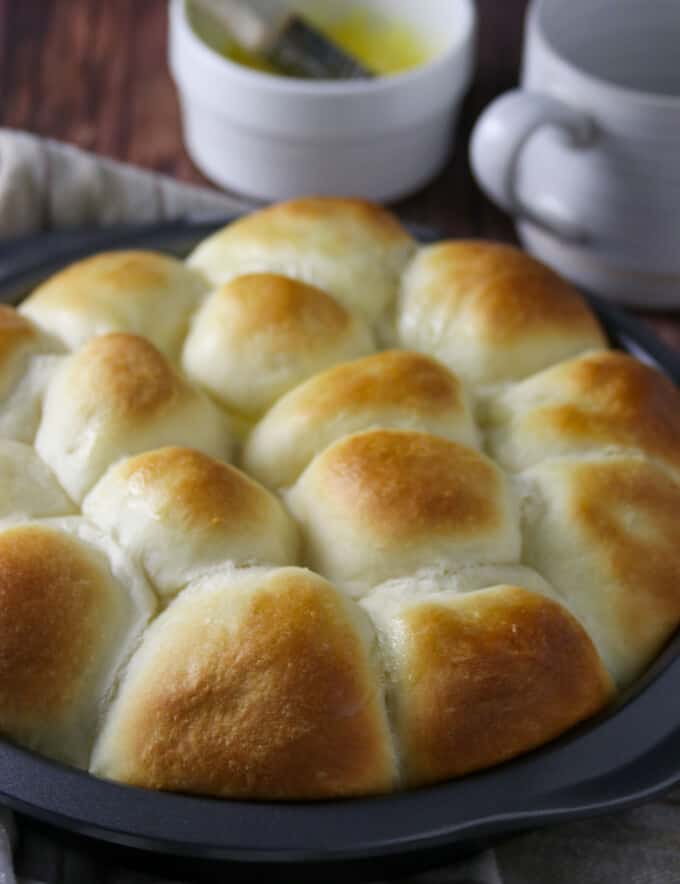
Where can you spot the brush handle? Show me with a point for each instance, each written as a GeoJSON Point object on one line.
{"type": "Point", "coordinates": [250, 28]}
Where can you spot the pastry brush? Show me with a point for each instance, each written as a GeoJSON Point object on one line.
{"type": "Point", "coordinates": [286, 39]}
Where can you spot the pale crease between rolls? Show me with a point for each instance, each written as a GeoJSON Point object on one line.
{"type": "Point", "coordinates": [28, 358]}
{"type": "Point", "coordinates": [509, 566]}
{"type": "Point", "coordinates": [28, 488]}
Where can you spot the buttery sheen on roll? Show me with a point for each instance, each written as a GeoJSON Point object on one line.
{"type": "Point", "coordinates": [385, 503]}
{"type": "Point", "coordinates": [72, 606]}
{"type": "Point", "coordinates": [393, 389]}
{"type": "Point", "coordinates": [352, 249]}
{"type": "Point", "coordinates": [115, 397]}
{"type": "Point", "coordinates": [476, 678]}
{"type": "Point", "coordinates": [254, 684]}
{"type": "Point", "coordinates": [145, 293]}
{"type": "Point", "coordinates": [491, 312]}
{"type": "Point", "coordinates": [180, 513]}
{"type": "Point", "coordinates": [261, 334]}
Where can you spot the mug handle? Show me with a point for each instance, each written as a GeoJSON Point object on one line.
{"type": "Point", "coordinates": [497, 141]}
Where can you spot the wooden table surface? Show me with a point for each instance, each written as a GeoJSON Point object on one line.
{"type": "Point", "coordinates": [94, 73]}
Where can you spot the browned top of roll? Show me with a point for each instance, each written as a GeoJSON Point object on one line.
{"type": "Point", "coordinates": [630, 513]}
{"type": "Point", "coordinates": [208, 492]}
{"type": "Point", "coordinates": [397, 378]}
{"type": "Point", "coordinates": [270, 223]}
{"type": "Point", "coordinates": [613, 400]}
{"type": "Point", "coordinates": [490, 675]}
{"type": "Point", "coordinates": [123, 271]}
{"type": "Point", "coordinates": [290, 310]}
{"type": "Point", "coordinates": [258, 685]}
{"type": "Point", "coordinates": [50, 609]}
{"type": "Point", "coordinates": [403, 483]}
{"type": "Point", "coordinates": [127, 371]}
{"type": "Point", "coordinates": [15, 332]}
{"type": "Point", "coordinates": [509, 292]}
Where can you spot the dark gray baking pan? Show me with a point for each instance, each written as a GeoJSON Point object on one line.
{"type": "Point", "coordinates": [625, 756]}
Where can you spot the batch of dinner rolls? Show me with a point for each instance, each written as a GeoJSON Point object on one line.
{"type": "Point", "coordinates": [321, 512]}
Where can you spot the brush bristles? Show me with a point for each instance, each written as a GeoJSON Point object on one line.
{"type": "Point", "coordinates": [301, 50]}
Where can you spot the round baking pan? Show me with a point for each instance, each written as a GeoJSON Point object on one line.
{"type": "Point", "coordinates": [624, 756]}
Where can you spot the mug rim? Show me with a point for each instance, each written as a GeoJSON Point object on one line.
{"type": "Point", "coordinates": [656, 100]}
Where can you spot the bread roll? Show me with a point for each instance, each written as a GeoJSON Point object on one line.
{"type": "Point", "coordinates": [71, 609]}
{"type": "Point", "coordinates": [503, 499]}
{"type": "Point", "coordinates": [28, 489]}
{"type": "Point", "coordinates": [259, 684]}
{"type": "Point", "coordinates": [385, 503]}
{"type": "Point", "coordinates": [180, 512]}
{"type": "Point", "coordinates": [115, 397]}
{"type": "Point", "coordinates": [605, 531]}
{"type": "Point", "coordinates": [146, 293]}
{"type": "Point", "coordinates": [393, 389]}
{"type": "Point", "coordinates": [259, 335]}
{"type": "Point", "coordinates": [27, 359]}
{"type": "Point", "coordinates": [597, 402]}
{"type": "Point", "coordinates": [351, 249]}
{"type": "Point", "coordinates": [490, 312]}
{"type": "Point", "coordinates": [480, 677]}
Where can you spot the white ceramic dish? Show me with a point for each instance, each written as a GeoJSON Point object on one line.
{"type": "Point", "coordinates": [586, 155]}
{"type": "Point", "coordinates": [272, 138]}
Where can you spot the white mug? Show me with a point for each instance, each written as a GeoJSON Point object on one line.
{"type": "Point", "coordinates": [586, 155]}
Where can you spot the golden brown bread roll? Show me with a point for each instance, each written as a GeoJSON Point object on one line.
{"type": "Point", "coordinates": [115, 397]}
{"type": "Point", "coordinates": [180, 512]}
{"type": "Point", "coordinates": [28, 488]}
{"type": "Point", "coordinates": [27, 360]}
{"type": "Point", "coordinates": [260, 684]}
{"type": "Point", "coordinates": [479, 677]}
{"type": "Point", "coordinates": [600, 401]}
{"type": "Point", "coordinates": [351, 249]}
{"type": "Point", "coordinates": [393, 389]}
{"type": "Point", "coordinates": [259, 335]}
{"type": "Point", "coordinates": [491, 312]}
{"type": "Point", "coordinates": [496, 610]}
{"type": "Point", "coordinates": [145, 293]}
{"type": "Point", "coordinates": [384, 503]}
{"type": "Point", "coordinates": [605, 532]}
{"type": "Point", "coordinates": [71, 609]}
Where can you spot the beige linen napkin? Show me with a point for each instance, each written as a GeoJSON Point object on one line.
{"type": "Point", "coordinates": [45, 185]}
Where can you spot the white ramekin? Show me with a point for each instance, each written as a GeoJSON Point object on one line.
{"type": "Point", "coordinates": [273, 138]}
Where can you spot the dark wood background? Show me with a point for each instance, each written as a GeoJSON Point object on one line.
{"type": "Point", "coordinates": [94, 73]}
